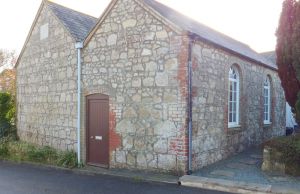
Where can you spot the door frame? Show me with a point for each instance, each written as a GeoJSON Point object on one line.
{"type": "Point", "coordinates": [97, 96]}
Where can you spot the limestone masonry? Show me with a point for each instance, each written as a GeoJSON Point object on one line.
{"type": "Point", "coordinates": [139, 58]}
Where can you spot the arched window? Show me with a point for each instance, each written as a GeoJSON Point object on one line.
{"type": "Point", "coordinates": [267, 100]}
{"type": "Point", "coordinates": [233, 97]}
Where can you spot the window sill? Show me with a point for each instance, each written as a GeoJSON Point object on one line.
{"type": "Point", "coordinates": [233, 129]}
{"type": "Point", "coordinates": [267, 124]}
{"type": "Point", "coordinates": [234, 126]}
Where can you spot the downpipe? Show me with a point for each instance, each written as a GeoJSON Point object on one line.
{"type": "Point", "coordinates": [78, 46]}
{"type": "Point", "coordinates": [190, 127]}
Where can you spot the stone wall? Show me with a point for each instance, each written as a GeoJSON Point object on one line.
{"type": "Point", "coordinates": [212, 139]}
{"type": "Point", "coordinates": [141, 64]}
{"type": "Point", "coordinates": [140, 61]}
{"type": "Point", "coordinates": [46, 87]}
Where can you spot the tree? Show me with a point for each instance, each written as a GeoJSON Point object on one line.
{"type": "Point", "coordinates": [7, 93]}
{"type": "Point", "coordinates": [8, 81]}
{"type": "Point", "coordinates": [8, 60]}
{"type": "Point", "coordinates": [288, 53]}
{"type": "Point", "coordinates": [7, 114]}
{"type": "Point", "coordinates": [7, 57]}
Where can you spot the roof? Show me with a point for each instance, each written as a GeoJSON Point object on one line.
{"type": "Point", "coordinates": [208, 34]}
{"type": "Point", "coordinates": [271, 56]}
{"type": "Point", "coordinates": [77, 23]}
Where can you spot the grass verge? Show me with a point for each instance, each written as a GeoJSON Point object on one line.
{"type": "Point", "coordinates": [289, 146]}
{"type": "Point", "coordinates": [20, 151]}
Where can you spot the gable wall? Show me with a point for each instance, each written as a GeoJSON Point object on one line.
{"type": "Point", "coordinates": [212, 139]}
{"type": "Point", "coordinates": [46, 87]}
{"type": "Point", "coordinates": [141, 64]}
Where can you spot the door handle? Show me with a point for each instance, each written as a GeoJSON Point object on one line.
{"type": "Point", "coordinates": [92, 137]}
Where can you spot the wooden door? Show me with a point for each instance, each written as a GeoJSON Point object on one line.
{"type": "Point", "coordinates": [97, 130]}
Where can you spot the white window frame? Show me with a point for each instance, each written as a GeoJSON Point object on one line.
{"type": "Point", "coordinates": [233, 114]}
{"type": "Point", "coordinates": [267, 100]}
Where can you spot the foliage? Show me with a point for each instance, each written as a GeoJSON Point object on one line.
{"type": "Point", "coordinates": [42, 154]}
{"type": "Point", "coordinates": [8, 81]}
{"type": "Point", "coordinates": [297, 108]}
{"type": "Point", "coordinates": [67, 159]}
{"type": "Point", "coordinates": [4, 152]}
{"type": "Point", "coordinates": [288, 52]}
{"type": "Point", "coordinates": [289, 147]}
{"type": "Point", "coordinates": [7, 58]}
{"type": "Point", "coordinates": [7, 114]}
{"type": "Point", "coordinates": [21, 151]}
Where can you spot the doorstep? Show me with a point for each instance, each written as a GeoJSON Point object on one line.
{"type": "Point", "coordinates": [234, 186]}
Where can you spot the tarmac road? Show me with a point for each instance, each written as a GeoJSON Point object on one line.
{"type": "Point", "coordinates": [30, 179]}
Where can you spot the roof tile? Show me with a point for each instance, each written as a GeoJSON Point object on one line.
{"type": "Point", "coordinates": [78, 24]}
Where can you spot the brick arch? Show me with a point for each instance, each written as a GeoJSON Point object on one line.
{"type": "Point", "coordinates": [241, 76]}
{"type": "Point", "coordinates": [97, 96]}
{"type": "Point", "coordinates": [240, 71]}
{"type": "Point", "coordinates": [96, 92]}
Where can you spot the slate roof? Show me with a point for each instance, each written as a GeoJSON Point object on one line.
{"type": "Point", "coordinates": [208, 34]}
{"type": "Point", "coordinates": [78, 24]}
{"type": "Point", "coordinates": [271, 56]}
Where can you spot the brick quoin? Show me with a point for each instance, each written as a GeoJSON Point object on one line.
{"type": "Point", "coordinates": [183, 69]}
{"type": "Point", "coordinates": [180, 145]}
{"type": "Point", "coordinates": [114, 138]}
{"type": "Point", "coordinates": [194, 68]}
{"type": "Point", "coordinates": [261, 122]}
{"type": "Point", "coordinates": [195, 63]}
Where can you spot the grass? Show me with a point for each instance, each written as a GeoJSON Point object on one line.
{"type": "Point", "coordinates": [289, 147]}
{"type": "Point", "coordinates": [20, 151]}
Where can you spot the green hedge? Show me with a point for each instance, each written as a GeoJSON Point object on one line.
{"type": "Point", "coordinates": [7, 115]}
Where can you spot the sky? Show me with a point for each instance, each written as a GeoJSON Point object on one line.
{"type": "Point", "coordinates": [253, 22]}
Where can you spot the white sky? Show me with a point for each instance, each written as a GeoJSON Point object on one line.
{"type": "Point", "coordinates": [253, 22]}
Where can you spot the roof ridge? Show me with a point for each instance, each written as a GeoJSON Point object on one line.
{"type": "Point", "coordinates": [65, 7]}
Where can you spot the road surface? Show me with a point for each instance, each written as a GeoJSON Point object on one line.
{"type": "Point", "coordinates": [29, 179]}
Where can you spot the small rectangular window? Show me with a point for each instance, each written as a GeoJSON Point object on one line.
{"type": "Point", "coordinates": [44, 31]}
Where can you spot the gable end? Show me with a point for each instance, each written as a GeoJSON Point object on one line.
{"type": "Point", "coordinates": [147, 8]}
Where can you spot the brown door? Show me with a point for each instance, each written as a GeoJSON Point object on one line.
{"type": "Point", "coordinates": [97, 130]}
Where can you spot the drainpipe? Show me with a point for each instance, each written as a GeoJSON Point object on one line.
{"type": "Point", "coordinates": [78, 46]}
{"type": "Point", "coordinates": [190, 151]}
